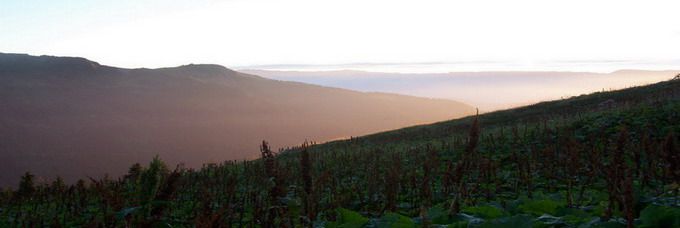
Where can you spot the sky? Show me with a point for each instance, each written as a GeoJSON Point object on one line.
{"type": "Point", "coordinates": [571, 35]}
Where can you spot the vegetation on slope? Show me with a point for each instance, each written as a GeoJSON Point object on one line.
{"type": "Point", "coordinates": [601, 160]}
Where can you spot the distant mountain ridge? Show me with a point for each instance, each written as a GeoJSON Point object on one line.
{"type": "Point", "coordinates": [74, 117]}
{"type": "Point", "coordinates": [488, 90]}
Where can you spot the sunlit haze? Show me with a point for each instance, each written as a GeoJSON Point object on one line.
{"type": "Point", "coordinates": [413, 36]}
{"type": "Point", "coordinates": [339, 113]}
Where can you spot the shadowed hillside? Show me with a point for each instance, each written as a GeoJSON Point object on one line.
{"type": "Point", "coordinates": [606, 159]}
{"type": "Point", "coordinates": [74, 117]}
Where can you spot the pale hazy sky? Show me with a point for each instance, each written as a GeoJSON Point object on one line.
{"type": "Point", "coordinates": [134, 33]}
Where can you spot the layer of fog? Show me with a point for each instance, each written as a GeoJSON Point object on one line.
{"type": "Point", "coordinates": [486, 90]}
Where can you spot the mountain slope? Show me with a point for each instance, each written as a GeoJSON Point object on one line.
{"type": "Point", "coordinates": [74, 117]}
{"type": "Point", "coordinates": [607, 159]}
{"type": "Point", "coordinates": [549, 112]}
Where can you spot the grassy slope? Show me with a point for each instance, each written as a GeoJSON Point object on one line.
{"type": "Point", "coordinates": [653, 108]}
{"type": "Point", "coordinates": [544, 165]}
{"type": "Point", "coordinates": [537, 113]}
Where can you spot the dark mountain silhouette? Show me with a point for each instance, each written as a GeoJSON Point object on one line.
{"type": "Point", "coordinates": [75, 118]}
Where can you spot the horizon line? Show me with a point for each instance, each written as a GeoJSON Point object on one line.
{"type": "Point", "coordinates": [468, 66]}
